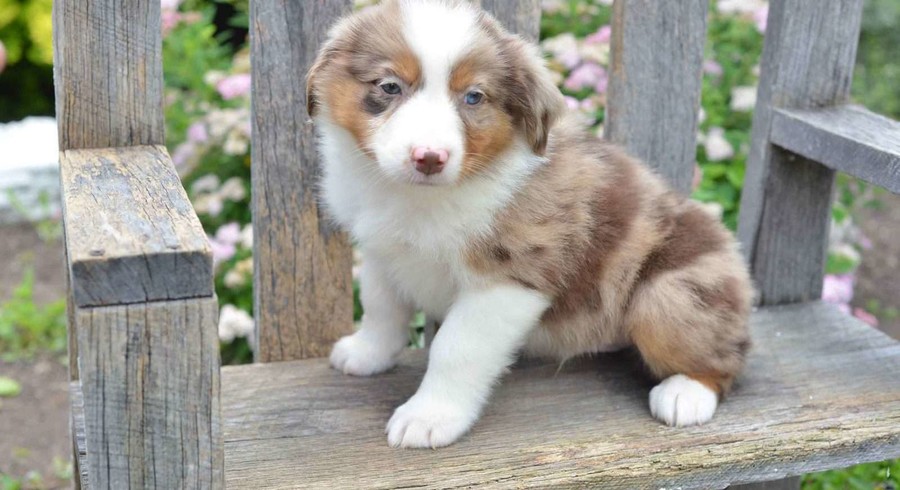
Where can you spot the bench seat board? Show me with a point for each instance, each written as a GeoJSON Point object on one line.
{"type": "Point", "coordinates": [821, 390]}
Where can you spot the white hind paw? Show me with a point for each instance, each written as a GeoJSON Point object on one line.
{"type": "Point", "coordinates": [680, 401]}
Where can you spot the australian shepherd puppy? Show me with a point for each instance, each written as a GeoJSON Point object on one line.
{"type": "Point", "coordinates": [472, 196]}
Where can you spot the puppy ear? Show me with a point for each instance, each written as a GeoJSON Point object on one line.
{"type": "Point", "coordinates": [313, 77]}
{"type": "Point", "coordinates": [535, 101]}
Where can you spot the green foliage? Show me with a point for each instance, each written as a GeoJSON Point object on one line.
{"type": "Point", "coordinates": [873, 476]}
{"type": "Point", "coordinates": [877, 81]}
{"type": "Point", "coordinates": [26, 87]}
{"type": "Point", "coordinates": [27, 328]}
{"type": "Point", "coordinates": [578, 17]}
{"type": "Point", "coordinates": [9, 387]}
{"type": "Point", "coordinates": [736, 45]}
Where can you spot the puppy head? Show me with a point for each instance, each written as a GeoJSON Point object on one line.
{"type": "Point", "coordinates": [433, 91]}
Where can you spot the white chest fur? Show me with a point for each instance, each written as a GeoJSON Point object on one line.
{"type": "Point", "coordinates": [419, 234]}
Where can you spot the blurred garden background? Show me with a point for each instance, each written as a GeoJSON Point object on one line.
{"type": "Point", "coordinates": [207, 74]}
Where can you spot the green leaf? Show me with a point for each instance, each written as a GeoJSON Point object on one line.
{"type": "Point", "coordinates": [9, 387]}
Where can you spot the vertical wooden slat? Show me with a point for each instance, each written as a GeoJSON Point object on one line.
{"type": "Point", "coordinates": [522, 17]}
{"type": "Point", "coordinates": [808, 61]}
{"type": "Point", "coordinates": [108, 70]}
{"type": "Point", "coordinates": [303, 286]}
{"type": "Point", "coordinates": [655, 83]}
{"type": "Point", "coordinates": [150, 385]}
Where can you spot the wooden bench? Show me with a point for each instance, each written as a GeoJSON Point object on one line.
{"type": "Point", "coordinates": [151, 407]}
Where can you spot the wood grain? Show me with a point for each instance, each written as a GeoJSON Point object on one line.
{"type": "Point", "coordinates": [654, 83]}
{"type": "Point", "coordinates": [783, 484]}
{"type": "Point", "coordinates": [808, 59]}
{"type": "Point", "coordinates": [150, 390]}
{"type": "Point", "coordinates": [522, 17]}
{"type": "Point", "coordinates": [131, 231]}
{"type": "Point", "coordinates": [846, 138]}
{"type": "Point", "coordinates": [821, 390]}
{"type": "Point", "coordinates": [108, 73]}
{"type": "Point", "coordinates": [302, 263]}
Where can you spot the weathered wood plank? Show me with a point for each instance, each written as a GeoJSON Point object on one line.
{"type": "Point", "coordinates": [131, 231]}
{"type": "Point", "coordinates": [150, 386]}
{"type": "Point", "coordinates": [821, 390]}
{"type": "Point", "coordinates": [76, 426]}
{"type": "Point", "coordinates": [302, 263]}
{"type": "Point", "coordinates": [808, 60]}
{"type": "Point", "coordinates": [655, 81]}
{"type": "Point", "coordinates": [785, 484]}
{"type": "Point", "coordinates": [846, 138]}
{"type": "Point", "coordinates": [522, 17]}
{"type": "Point", "coordinates": [108, 73]}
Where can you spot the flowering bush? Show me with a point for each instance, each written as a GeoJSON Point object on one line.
{"type": "Point", "coordinates": [209, 130]}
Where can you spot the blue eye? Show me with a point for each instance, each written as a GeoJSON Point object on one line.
{"type": "Point", "coordinates": [474, 97]}
{"type": "Point", "coordinates": [391, 88]}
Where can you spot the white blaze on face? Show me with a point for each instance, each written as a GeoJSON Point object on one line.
{"type": "Point", "coordinates": [439, 35]}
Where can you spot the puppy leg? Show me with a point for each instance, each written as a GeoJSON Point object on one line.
{"type": "Point", "coordinates": [478, 340]}
{"type": "Point", "coordinates": [694, 337]}
{"type": "Point", "coordinates": [385, 327]}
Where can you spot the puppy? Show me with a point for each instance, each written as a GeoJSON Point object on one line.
{"type": "Point", "coordinates": [472, 196]}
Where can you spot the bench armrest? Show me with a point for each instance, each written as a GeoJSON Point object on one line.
{"type": "Point", "coordinates": [132, 235]}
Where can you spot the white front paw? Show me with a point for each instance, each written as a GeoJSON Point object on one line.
{"type": "Point", "coordinates": [680, 401]}
{"type": "Point", "coordinates": [363, 356]}
{"type": "Point", "coordinates": [426, 422]}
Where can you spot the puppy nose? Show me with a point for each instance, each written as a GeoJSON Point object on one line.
{"type": "Point", "coordinates": [429, 161]}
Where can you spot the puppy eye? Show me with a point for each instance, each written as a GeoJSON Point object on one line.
{"type": "Point", "coordinates": [474, 97]}
{"type": "Point", "coordinates": [391, 88]}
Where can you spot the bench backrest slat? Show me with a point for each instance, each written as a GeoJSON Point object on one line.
{"type": "Point", "coordinates": [808, 61]}
{"type": "Point", "coordinates": [108, 71]}
{"type": "Point", "coordinates": [303, 287]}
{"type": "Point", "coordinates": [655, 83]}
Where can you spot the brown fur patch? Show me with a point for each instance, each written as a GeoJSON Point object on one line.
{"type": "Point", "coordinates": [692, 233]}
{"type": "Point", "coordinates": [366, 48]}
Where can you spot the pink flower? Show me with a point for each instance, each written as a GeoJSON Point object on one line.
{"type": "Point", "coordinates": [2, 56]}
{"type": "Point", "coordinates": [196, 133]}
{"type": "Point", "coordinates": [586, 75]}
{"type": "Point", "coordinates": [711, 67]}
{"type": "Point", "coordinates": [571, 102]}
{"type": "Point", "coordinates": [602, 36]}
{"type": "Point", "coordinates": [183, 153]}
{"type": "Point", "coordinates": [838, 289]}
{"type": "Point", "coordinates": [602, 84]}
{"type": "Point", "coordinates": [865, 316]}
{"type": "Point", "coordinates": [234, 86]}
{"type": "Point", "coordinates": [221, 251]}
{"type": "Point", "coordinates": [229, 233]}
{"type": "Point", "coordinates": [169, 4]}
{"type": "Point", "coordinates": [170, 19]}
{"type": "Point", "coordinates": [761, 18]}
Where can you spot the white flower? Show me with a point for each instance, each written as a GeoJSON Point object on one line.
{"type": "Point", "coordinates": [207, 183]}
{"type": "Point", "coordinates": [233, 189]}
{"type": "Point", "coordinates": [743, 99]}
{"type": "Point", "coordinates": [247, 236]}
{"type": "Point", "coordinates": [234, 323]}
{"type": "Point", "coordinates": [717, 147]}
{"type": "Point", "coordinates": [235, 144]}
{"type": "Point", "coordinates": [740, 6]}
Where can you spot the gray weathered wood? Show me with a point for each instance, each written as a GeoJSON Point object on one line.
{"type": "Point", "coordinates": [522, 17]}
{"type": "Point", "coordinates": [108, 71]}
{"type": "Point", "coordinates": [821, 390]}
{"type": "Point", "coordinates": [846, 138]}
{"type": "Point", "coordinates": [79, 447]}
{"type": "Point", "coordinates": [131, 231]}
{"type": "Point", "coordinates": [302, 263]}
{"type": "Point", "coordinates": [150, 386]}
{"type": "Point", "coordinates": [808, 59]}
{"type": "Point", "coordinates": [784, 484]}
{"type": "Point", "coordinates": [655, 81]}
